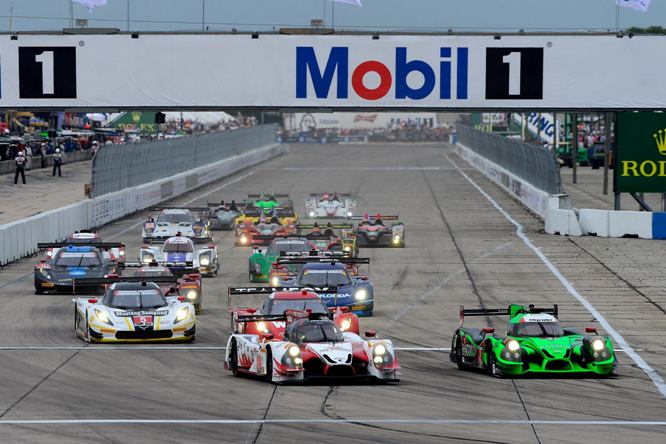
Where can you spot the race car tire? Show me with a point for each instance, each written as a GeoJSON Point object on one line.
{"type": "Point", "coordinates": [87, 329]}
{"type": "Point", "coordinates": [197, 309]}
{"type": "Point", "coordinates": [492, 368]}
{"type": "Point", "coordinates": [269, 365]}
{"type": "Point", "coordinates": [233, 359]}
{"type": "Point", "coordinates": [217, 267]}
{"type": "Point", "coordinates": [457, 353]}
{"type": "Point", "coordinates": [39, 291]}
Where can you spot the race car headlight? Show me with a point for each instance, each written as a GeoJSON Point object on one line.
{"type": "Point", "coordinates": [597, 344]}
{"type": "Point", "coordinates": [513, 345]}
{"type": "Point", "coordinates": [347, 248]}
{"type": "Point", "coordinates": [380, 356]}
{"type": "Point", "coordinates": [275, 281]}
{"type": "Point", "coordinates": [182, 314]}
{"type": "Point", "coordinates": [292, 359]}
{"type": "Point", "coordinates": [294, 351]}
{"type": "Point", "coordinates": [45, 272]}
{"type": "Point", "coordinates": [147, 258]}
{"type": "Point", "coordinates": [191, 295]}
{"type": "Point", "coordinates": [243, 239]}
{"type": "Point", "coordinates": [311, 214]}
{"type": "Point", "coordinates": [345, 325]}
{"type": "Point", "coordinates": [204, 260]}
{"type": "Point", "coordinates": [361, 294]}
{"type": "Point", "coordinates": [350, 214]}
{"type": "Point", "coordinates": [262, 327]}
{"type": "Point", "coordinates": [103, 317]}
{"type": "Point", "coordinates": [380, 349]}
{"type": "Point", "coordinates": [396, 238]}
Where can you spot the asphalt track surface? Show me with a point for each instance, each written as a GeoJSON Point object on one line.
{"type": "Point", "coordinates": [460, 250]}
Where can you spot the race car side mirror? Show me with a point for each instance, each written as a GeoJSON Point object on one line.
{"type": "Point", "coordinates": [370, 333]}
{"type": "Point", "coordinates": [251, 310]}
{"type": "Point", "coordinates": [591, 330]}
{"type": "Point", "coordinates": [181, 298]}
{"type": "Point", "coordinates": [43, 261]}
{"type": "Point", "coordinates": [488, 330]}
{"type": "Point", "coordinates": [344, 309]}
{"type": "Point", "coordinates": [92, 301]}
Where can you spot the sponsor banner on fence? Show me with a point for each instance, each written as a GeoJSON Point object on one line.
{"type": "Point", "coordinates": [641, 153]}
{"type": "Point", "coordinates": [195, 71]}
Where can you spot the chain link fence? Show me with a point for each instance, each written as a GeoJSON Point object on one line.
{"type": "Point", "coordinates": [532, 163]}
{"type": "Point", "coordinates": [117, 167]}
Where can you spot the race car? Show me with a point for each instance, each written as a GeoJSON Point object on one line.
{"type": "Point", "coordinates": [277, 302]}
{"type": "Point", "coordinates": [312, 347]}
{"type": "Point", "coordinates": [331, 237]}
{"type": "Point", "coordinates": [198, 255]}
{"type": "Point", "coordinates": [534, 343]}
{"type": "Point", "coordinates": [334, 283]}
{"type": "Point", "coordinates": [289, 264]}
{"type": "Point", "coordinates": [67, 262]}
{"type": "Point", "coordinates": [188, 285]}
{"type": "Point", "coordinates": [251, 215]}
{"type": "Point", "coordinates": [262, 259]}
{"type": "Point", "coordinates": [263, 232]}
{"type": "Point", "coordinates": [268, 201]}
{"type": "Point", "coordinates": [133, 309]}
{"type": "Point", "coordinates": [330, 205]}
{"type": "Point", "coordinates": [223, 215]}
{"type": "Point", "coordinates": [172, 221]}
{"type": "Point", "coordinates": [88, 237]}
{"type": "Point", "coordinates": [371, 231]}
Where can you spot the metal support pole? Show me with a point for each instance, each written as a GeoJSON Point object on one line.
{"type": "Point", "coordinates": [539, 128]}
{"type": "Point", "coordinates": [607, 150]}
{"type": "Point", "coordinates": [555, 134]}
{"type": "Point", "coordinates": [574, 149]}
{"type": "Point", "coordinates": [523, 126]}
{"type": "Point", "coordinates": [617, 204]}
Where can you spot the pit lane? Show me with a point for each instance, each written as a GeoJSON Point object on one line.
{"type": "Point", "coordinates": [460, 250]}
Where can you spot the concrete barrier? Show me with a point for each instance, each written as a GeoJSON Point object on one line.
{"type": "Point", "coordinates": [19, 238]}
{"type": "Point", "coordinates": [630, 224]}
{"type": "Point", "coordinates": [594, 222]}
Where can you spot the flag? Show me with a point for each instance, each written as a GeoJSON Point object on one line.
{"type": "Point", "coordinates": [350, 2]}
{"type": "Point", "coordinates": [638, 5]}
{"type": "Point", "coordinates": [90, 4]}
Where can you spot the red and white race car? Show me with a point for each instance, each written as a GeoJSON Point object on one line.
{"type": "Point", "coordinates": [305, 343]}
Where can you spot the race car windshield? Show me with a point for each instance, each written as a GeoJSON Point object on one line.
{"type": "Point", "coordinates": [280, 306]}
{"type": "Point", "coordinates": [536, 329]}
{"type": "Point", "coordinates": [283, 247]}
{"type": "Point", "coordinates": [137, 299]}
{"type": "Point", "coordinates": [178, 247]}
{"type": "Point", "coordinates": [316, 332]}
{"type": "Point", "coordinates": [175, 218]}
{"type": "Point", "coordinates": [321, 278]}
{"type": "Point", "coordinates": [76, 259]}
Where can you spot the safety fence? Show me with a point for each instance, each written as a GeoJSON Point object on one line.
{"type": "Point", "coordinates": [117, 167]}
{"type": "Point", "coordinates": [19, 239]}
{"type": "Point", "coordinates": [534, 164]}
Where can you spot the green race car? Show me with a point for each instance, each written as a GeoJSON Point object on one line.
{"type": "Point", "coordinates": [534, 343]}
{"type": "Point", "coordinates": [267, 202]}
{"type": "Point", "coordinates": [262, 260]}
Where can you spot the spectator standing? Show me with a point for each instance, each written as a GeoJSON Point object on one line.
{"type": "Point", "coordinates": [43, 151]}
{"type": "Point", "coordinates": [57, 162]}
{"type": "Point", "coordinates": [20, 161]}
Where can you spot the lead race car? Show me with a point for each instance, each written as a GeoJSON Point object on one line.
{"type": "Point", "coordinates": [186, 255]}
{"type": "Point", "coordinates": [330, 205]}
{"type": "Point", "coordinates": [67, 262]}
{"type": "Point", "coordinates": [534, 343]}
{"type": "Point", "coordinates": [133, 309]}
{"type": "Point", "coordinates": [372, 232]}
{"type": "Point", "coordinates": [173, 221]}
{"type": "Point", "coordinates": [312, 346]}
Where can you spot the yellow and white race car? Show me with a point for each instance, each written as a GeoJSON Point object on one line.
{"type": "Point", "coordinates": [133, 309]}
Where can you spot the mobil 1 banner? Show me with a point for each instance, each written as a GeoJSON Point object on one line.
{"type": "Point", "coordinates": [202, 71]}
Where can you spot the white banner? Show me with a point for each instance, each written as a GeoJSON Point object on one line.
{"type": "Point", "coordinates": [352, 71]}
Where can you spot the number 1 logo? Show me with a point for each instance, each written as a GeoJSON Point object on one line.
{"type": "Point", "coordinates": [514, 73]}
{"type": "Point", "coordinates": [47, 72]}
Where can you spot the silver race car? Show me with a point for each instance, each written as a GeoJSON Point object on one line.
{"type": "Point", "coordinates": [172, 221]}
{"type": "Point", "coordinates": [198, 255]}
{"type": "Point", "coordinates": [133, 309]}
{"type": "Point", "coordinates": [330, 205]}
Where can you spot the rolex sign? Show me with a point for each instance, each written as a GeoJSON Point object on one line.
{"type": "Point", "coordinates": [641, 153]}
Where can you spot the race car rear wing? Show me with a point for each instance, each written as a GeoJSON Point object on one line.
{"type": "Point", "coordinates": [155, 264]}
{"type": "Point", "coordinates": [276, 195]}
{"type": "Point", "coordinates": [162, 239]}
{"type": "Point", "coordinates": [268, 290]}
{"type": "Point", "coordinates": [325, 227]}
{"type": "Point", "coordinates": [98, 245]}
{"type": "Point", "coordinates": [512, 311]}
{"type": "Point", "coordinates": [196, 209]}
{"type": "Point", "coordinates": [374, 216]}
{"type": "Point", "coordinates": [293, 260]}
{"type": "Point", "coordinates": [332, 194]}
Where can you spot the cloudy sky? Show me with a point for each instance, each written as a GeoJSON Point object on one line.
{"type": "Point", "coordinates": [423, 15]}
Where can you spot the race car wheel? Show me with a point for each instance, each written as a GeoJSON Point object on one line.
{"type": "Point", "coordinates": [493, 368]}
{"type": "Point", "coordinates": [457, 353]}
{"type": "Point", "coordinates": [217, 267]}
{"type": "Point", "coordinates": [39, 290]}
{"type": "Point", "coordinates": [87, 335]}
{"type": "Point", "coordinates": [233, 359]}
{"type": "Point", "coordinates": [197, 308]}
{"type": "Point", "coordinates": [269, 365]}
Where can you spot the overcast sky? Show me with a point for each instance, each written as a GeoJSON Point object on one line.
{"type": "Point", "coordinates": [425, 15]}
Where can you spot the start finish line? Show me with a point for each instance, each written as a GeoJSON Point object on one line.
{"type": "Point", "coordinates": [443, 72]}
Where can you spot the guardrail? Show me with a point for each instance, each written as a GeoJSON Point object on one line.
{"type": "Point", "coordinates": [19, 238]}
{"type": "Point", "coordinates": [117, 167]}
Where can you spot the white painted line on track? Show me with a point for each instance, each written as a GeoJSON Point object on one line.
{"type": "Point", "coordinates": [617, 337]}
{"type": "Point", "coordinates": [369, 168]}
{"type": "Point", "coordinates": [555, 422]}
